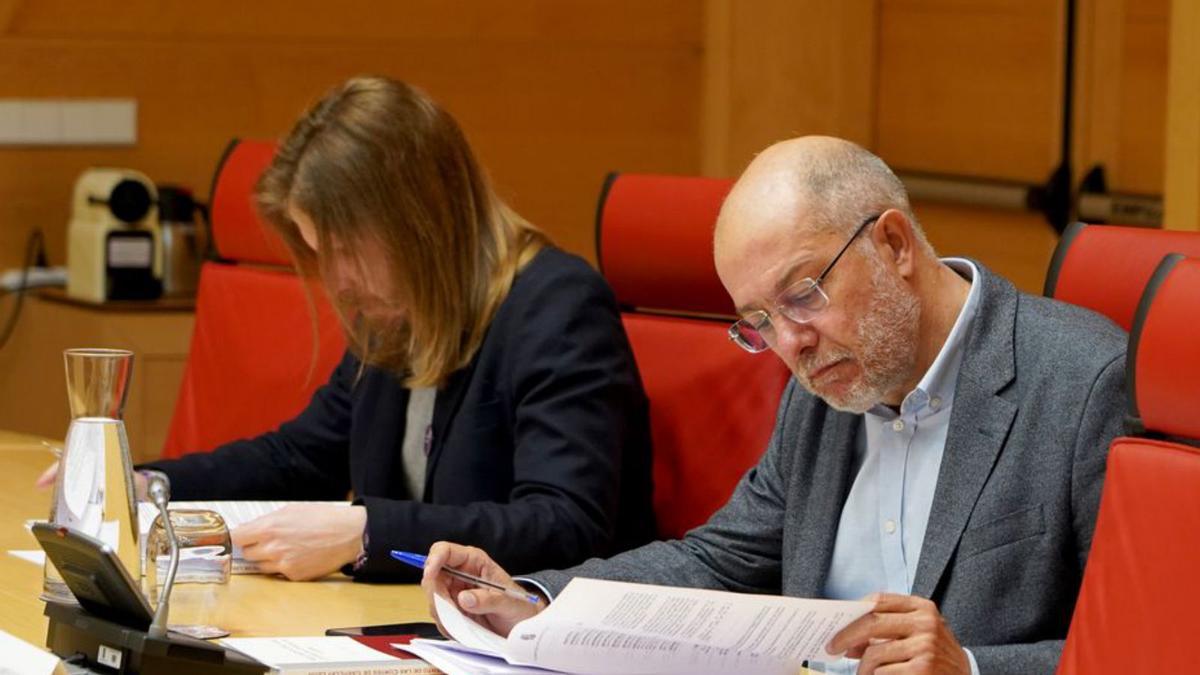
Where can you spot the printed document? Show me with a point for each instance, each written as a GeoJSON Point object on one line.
{"type": "Point", "coordinates": [601, 627]}
{"type": "Point", "coordinates": [235, 513]}
{"type": "Point", "coordinates": [329, 656]}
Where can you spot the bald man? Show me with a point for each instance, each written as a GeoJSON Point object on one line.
{"type": "Point", "coordinates": [941, 449]}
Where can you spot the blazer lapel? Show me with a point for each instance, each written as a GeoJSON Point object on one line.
{"type": "Point", "coordinates": [445, 409]}
{"type": "Point", "coordinates": [826, 490]}
{"type": "Point", "coordinates": [979, 425]}
{"type": "Point", "coordinates": [376, 437]}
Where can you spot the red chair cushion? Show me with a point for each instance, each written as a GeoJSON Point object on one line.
{"type": "Point", "coordinates": [251, 356]}
{"type": "Point", "coordinates": [654, 241]}
{"type": "Point", "coordinates": [1137, 607]}
{"type": "Point", "coordinates": [1105, 267]}
{"type": "Point", "coordinates": [1165, 350]}
{"type": "Point", "coordinates": [712, 409]}
{"type": "Point", "coordinates": [238, 233]}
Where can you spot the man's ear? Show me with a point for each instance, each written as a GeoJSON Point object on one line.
{"type": "Point", "coordinates": [893, 237]}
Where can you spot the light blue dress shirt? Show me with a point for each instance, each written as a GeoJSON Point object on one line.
{"type": "Point", "coordinates": [898, 456]}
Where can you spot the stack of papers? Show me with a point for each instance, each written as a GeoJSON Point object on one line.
{"type": "Point", "coordinates": [600, 627]}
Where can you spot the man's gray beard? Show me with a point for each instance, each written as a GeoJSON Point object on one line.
{"type": "Point", "coordinates": [887, 335]}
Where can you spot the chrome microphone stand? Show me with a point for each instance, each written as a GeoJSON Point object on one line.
{"type": "Point", "coordinates": [160, 494]}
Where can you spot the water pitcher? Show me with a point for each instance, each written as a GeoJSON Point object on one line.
{"type": "Point", "coordinates": [94, 489]}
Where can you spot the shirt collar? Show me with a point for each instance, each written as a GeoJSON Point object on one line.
{"type": "Point", "coordinates": [939, 382]}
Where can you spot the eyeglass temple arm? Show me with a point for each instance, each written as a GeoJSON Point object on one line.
{"type": "Point", "coordinates": [862, 226]}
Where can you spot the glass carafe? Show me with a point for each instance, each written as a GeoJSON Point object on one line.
{"type": "Point", "coordinates": [93, 492]}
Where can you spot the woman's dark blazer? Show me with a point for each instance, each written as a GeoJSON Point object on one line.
{"type": "Point", "coordinates": [540, 449]}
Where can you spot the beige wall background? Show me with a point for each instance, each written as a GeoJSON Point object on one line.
{"type": "Point", "coordinates": [556, 93]}
{"type": "Point", "coordinates": [967, 88]}
{"type": "Point", "coordinates": [552, 94]}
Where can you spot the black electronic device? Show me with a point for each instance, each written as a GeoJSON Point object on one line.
{"type": "Point", "coordinates": [421, 629]}
{"type": "Point", "coordinates": [109, 627]}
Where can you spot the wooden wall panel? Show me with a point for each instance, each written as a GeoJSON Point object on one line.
{"type": "Point", "coordinates": [366, 21]}
{"type": "Point", "coordinates": [782, 68]}
{"type": "Point", "coordinates": [1182, 189]}
{"type": "Point", "coordinates": [1142, 133]}
{"type": "Point", "coordinates": [552, 95]}
{"type": "Point", "coordinates": [1121, 92]}
{"type": "Point", "coordinates": [1015, 244]}
{"type": "Point", "coordinates": [970, 87]}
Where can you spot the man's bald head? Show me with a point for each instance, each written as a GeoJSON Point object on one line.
{"type": "Point", "coordinates": [820, 183]}
{"type": "Point", "coordinates": [794, 211]}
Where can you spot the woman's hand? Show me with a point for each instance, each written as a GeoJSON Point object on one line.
{"type": "Point", "coordinates": [48, 477]}
{"type": "Point", "coordinates": [303, 541]}
{"type": "Point", "coordinates": [491, 608]}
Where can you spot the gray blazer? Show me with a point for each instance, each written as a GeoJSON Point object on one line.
{"type": "Point", "coordinates": [1040, 394]}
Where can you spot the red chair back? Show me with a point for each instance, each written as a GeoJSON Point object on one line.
{"type": "Point", "coordinates": [253, 361]}
{"type": "Point", "coordinates": [1137, 606]}
{"type": "Point", "coordinates": [1105, 267]}
{"type": "Point", "coordinates": [712, 406]}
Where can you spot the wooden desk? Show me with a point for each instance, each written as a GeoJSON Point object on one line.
{"type": "Point", "coordinates": [248, 605]}
{"type": "Point", "coordinates": [251, 605]}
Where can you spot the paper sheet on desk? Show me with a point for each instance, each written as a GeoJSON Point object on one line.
{"type": "Point", "coordinates": [446, 657]}
{"type": "Point", "coordinates": [27, 659]}
{"type": "Point", "coordinates": [37, 557]}
{"type": "Point", "coordinates": [602, 627]}
{"type": "Point", "coordinates": [235, 513]}
{"type": "Point", "coordinates": [329, 655]}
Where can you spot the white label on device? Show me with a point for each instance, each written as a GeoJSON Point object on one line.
{"type": "Point", "coordinates": [107, 656]}
{"type": "Point", "coordinates": [129, 251]}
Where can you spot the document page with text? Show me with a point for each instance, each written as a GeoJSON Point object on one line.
{"type": "Point", "coordinates": [602, 627]}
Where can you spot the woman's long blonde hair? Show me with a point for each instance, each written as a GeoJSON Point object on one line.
{"type": "Point", "coordinates": [377, 163]}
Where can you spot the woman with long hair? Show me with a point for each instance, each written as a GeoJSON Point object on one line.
{"type": "Point", "coordinates": [488, 394]}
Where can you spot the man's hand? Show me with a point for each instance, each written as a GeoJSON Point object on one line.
{"type": "Point", "coordinates": [303, 541]}
{"type": "Point", "coordinates": [489, 607]}
{"type": "Point", "coordinates": [905, 633]}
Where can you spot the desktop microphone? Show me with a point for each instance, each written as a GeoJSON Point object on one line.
{"type": "Point", "coordinates": [159, 491]}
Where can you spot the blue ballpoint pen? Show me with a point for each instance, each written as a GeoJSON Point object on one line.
{"type": "Point", "coordinates": [417, 560]}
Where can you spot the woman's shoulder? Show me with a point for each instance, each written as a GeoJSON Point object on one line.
{"type": "Point", "coordinates": [557, 292]}
{"type": "Point", "coordinates": [556, 273]}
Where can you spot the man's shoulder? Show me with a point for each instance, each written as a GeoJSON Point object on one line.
{"type": "Point", "coordinates": [1066, 334]}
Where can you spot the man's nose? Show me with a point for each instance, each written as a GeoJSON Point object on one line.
{"type": "Point", "coordinates": [792, 339]}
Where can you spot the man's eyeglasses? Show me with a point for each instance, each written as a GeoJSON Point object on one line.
{"type": "Point", "coordinates": [801, 302]}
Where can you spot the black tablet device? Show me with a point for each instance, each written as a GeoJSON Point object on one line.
{"type": "Point", "coordinates": [95, 575]}
{"type": "Point", "coordinates": [421, 629]}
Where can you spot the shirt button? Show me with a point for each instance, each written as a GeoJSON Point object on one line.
{"type": "Point", "coordinates": [935, 403]}
{"type": "Point", "coordinates": [898, 425]}
{"type": "Point", "coordinates": [890, 526]}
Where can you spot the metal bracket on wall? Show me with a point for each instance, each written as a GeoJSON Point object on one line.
{"type": "Point", "coordinates": [1052, 199]}
{"type": "Point", "coordinates": [1096, 204]}
{"type": "Point", "coordinates": [1092, 203]}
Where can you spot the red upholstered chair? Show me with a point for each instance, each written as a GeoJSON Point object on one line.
{"type": "Point", "coordinates": [251, 363]}
{"type": "Point", "coordinates": [1137, 607]}
{"type": "Point", "coordinates": [712, 406]}
{"type": "Point", "coordinates": [1105, 267]}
